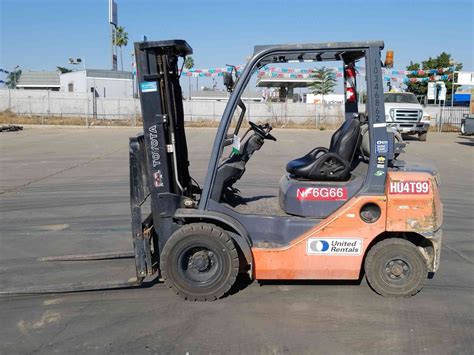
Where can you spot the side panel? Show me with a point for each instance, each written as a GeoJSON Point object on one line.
{"type": "Point", "coordinates": [345, 226]}
{"type": "Point", "coordinates": [413, 203]}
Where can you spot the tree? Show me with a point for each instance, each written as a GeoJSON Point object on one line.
{"type": "Point", "coordinates": [63, 70]}
{"type": "Point", "coordinates": [444, 60]}
{"type": "Point", "coordinates": [189, 64]}
{"type": "Point", "coordinates": [12, 79]}
{"type": "Point", "coordinates": [324, 83]}
{"type": "Point", "coordinates": [121, 40]}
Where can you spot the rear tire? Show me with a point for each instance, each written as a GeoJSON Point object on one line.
{"type": "Point", "coordinates": [200, 262]}
{"type": "Point", "coordinates": [422, 136]}
{"type": "Point", "coordinates": [395, 268]}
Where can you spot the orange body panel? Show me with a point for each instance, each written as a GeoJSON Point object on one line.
{"type": "Point", "coordinates": [413, 212]}
{"type": "Point", "coordinates": [293, 261]}
{"type": "Point", "coordinates": [400, 212]}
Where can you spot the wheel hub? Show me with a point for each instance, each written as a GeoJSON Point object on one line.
{"type": "Point", "coordinates": [397, 269]}
{"type": "Point", "coordinates": [201, 261]}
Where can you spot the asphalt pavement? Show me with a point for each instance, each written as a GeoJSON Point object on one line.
{"type": "Point", "coordinates": [65, 191]}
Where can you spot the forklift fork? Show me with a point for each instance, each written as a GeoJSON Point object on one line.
{"type": "Point", "coordinates": [143, 235]}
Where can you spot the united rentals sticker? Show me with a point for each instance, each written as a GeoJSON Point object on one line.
{"type": "Point", "coordinates": [409, 187]}
{"type": "Point", "coordinates": [334, 246]}
{"type": "Point", "coordinates": [321, 194]}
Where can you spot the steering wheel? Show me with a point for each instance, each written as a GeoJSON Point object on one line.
{"type": "Point", "coordinates": [261, 131]}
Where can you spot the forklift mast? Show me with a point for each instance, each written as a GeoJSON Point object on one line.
{"type": "Point", "coordinates": [159, 165]}
{"type": "Point", "coordinates": [163, 117]}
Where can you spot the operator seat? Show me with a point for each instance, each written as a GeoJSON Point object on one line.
{"type": "Point", "coordinates": [333, 164]}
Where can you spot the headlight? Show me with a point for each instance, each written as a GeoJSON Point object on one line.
{"type": "Point", "coordinates": [426, 117]}
{"type": "Point", "coordinates": [391, 113]}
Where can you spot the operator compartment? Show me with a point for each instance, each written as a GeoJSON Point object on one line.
{"type": "Point", "coordinates": [321, 181]}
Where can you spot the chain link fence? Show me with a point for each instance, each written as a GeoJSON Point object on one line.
{"type": "Point", "coordinates": [450, 118]}
{"type": "Point", "coordinates": [43, 103]}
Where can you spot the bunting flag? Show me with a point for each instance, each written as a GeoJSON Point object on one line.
{"type": "Point", "coordinates": [303, 73]}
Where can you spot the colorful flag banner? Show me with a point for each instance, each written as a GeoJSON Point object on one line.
{"type": "Point", "coordinates": [303, 73]}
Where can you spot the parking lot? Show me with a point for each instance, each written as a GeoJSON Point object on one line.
{"type": "Point", "coordinates": [65, 191]}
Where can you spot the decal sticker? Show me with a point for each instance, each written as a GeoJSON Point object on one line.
{"type": "Point", "coordinates": [321, 194]}
{"type": "Point", "coordinates": [154, 146]}
{"type": "Point", "coordinates": [381, 159]}
{"type": "Point", "coordinates": [334, 246]}
{"type": "Point", "coordinates": [236, 145]}
{"type": "Point", "coordinates": [148, 86]}
{"type": "Point", "coordinates": [379, 173]}
{"type": "Point", "coordinates": [410, 187]}
{"type": "Point", "coordinates": [381, 147]}
{"type": "Point", "coordinates": [380, 166]}
{"type": "Point", "coordinates": [158, 179]}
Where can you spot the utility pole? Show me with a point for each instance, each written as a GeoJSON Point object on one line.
{"type": "Point", "coordinates": [113, 21]}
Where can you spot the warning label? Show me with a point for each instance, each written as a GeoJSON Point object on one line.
{"type": "Point", "coordinates": [321, 194]}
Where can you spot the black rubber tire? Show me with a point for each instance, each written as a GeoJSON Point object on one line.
{"type": "Point", "coordinates": [463, 128]}
{"type": "Point", "coordinates": [422, 136]}
{"type": "Point", "coordinates": [200, 235]}
{"type": "Point", "coordinates": [395, 249]}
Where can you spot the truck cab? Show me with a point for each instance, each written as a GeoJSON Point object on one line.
{"type": "Point", "coordinates": [405, 114]}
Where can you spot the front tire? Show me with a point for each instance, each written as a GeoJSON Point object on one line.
{"type": "Point", "coordinates": [463, 128]}
{"type": "Point", "coordinates": [200, 262]}
{"type": "Point", "coordinates": [395, 268]}
{"type": "Point", "coordinates": [422, 136]}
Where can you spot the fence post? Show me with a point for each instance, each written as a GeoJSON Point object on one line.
{"type": "Point", "coordinates": [442, 118]}
{"type": "Point", "coordinates": [87, 111]}
{"type": "Point", "coordinates": [190, 110]}
{"type": "Point", "coordinates": [134, 119]}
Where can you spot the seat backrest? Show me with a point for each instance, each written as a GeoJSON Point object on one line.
{"type": "Point", "coordinates": [345, 140]}
{"type": "Point", "coordinates": [335, 137]}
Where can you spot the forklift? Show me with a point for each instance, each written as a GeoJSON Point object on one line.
{"type": "Point", "coordinates": [338, 215]}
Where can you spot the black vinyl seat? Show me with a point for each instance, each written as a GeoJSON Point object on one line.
{"type": "Point", "coordinates": [333, 163]}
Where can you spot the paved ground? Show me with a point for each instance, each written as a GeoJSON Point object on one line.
{"type": "Point", "coordinates": [66, 191]}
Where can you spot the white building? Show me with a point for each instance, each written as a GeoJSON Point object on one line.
{"type": "Point", "coordinates": [105, 83]}
{"type": "Point", "coordinates": [38, 80]}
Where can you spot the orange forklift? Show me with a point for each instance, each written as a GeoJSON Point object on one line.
{"type": "Point", "coordinates": [340, 214]}
{"type": "Point", "coordinates": [337, 216]}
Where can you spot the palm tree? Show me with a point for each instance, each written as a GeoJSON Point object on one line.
{"type": "Point", "coordinates": [189, 64]}
{"type": "Point", "coordinates": [121, 40]}
{"type": "Point", "coordinates": [12, 78]}
{"type": "Point", "coordinates": [324, 83]}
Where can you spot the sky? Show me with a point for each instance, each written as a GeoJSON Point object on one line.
{"type": "Point", "coordinates": [43, 34]}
